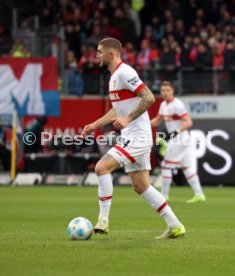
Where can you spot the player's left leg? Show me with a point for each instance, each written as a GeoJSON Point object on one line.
{"type": "Point", "coordinates": [141, 184]}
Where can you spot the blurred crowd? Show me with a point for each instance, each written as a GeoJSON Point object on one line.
{"type": "Point", "coordinates": [155, 34]}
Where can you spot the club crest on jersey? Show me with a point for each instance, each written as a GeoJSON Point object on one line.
{"type": "Point", "coordinates": [114, 83]}
{"type": "Point", "coordinates": [114, 96]}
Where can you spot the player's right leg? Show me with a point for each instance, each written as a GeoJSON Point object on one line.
{"type": "Point", "coordinates": [103, 169]}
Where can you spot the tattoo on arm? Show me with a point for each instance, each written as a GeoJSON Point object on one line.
{"type": "Point", "coordinates": [147, 99]}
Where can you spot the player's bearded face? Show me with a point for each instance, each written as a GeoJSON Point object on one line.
{"type": "Point", "coordinates": [103, 56]}
{"type": "Point", "coordinates": [104, 61]}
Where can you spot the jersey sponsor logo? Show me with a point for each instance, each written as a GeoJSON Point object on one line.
{"type": "Point", "coordinates": [133, 81]}
{"type": "Point", "coordinates": [114, 96]}
{"type": "Point", "coordinates": [121, 95]}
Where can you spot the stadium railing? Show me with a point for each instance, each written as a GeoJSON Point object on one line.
{"type": "Point", "coordinates": [45, 42]}
{"type": "Point", "coordinates": [185, 80]}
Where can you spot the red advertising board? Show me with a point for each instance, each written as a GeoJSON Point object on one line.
{"type": "Point", "coordinates": [75, 113]}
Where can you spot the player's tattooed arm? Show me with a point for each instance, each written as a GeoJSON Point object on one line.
{"type": "Point", "coordinates": [147, 99]}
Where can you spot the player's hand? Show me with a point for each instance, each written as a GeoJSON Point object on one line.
{"type": "Point", "coordinates": [121, 122]}
{"type": "Point", "coordinates": [172, 134]}
{"type": "Point", "coordinates": [88, 129]}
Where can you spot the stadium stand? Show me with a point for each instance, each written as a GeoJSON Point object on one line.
{"type": "Point", "coordinates": [165, 39]}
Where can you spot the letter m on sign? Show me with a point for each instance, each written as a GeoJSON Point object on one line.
{"type": "Point", "coordinates": [29, 86]}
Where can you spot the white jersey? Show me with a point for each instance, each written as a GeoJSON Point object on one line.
{"type": "Point", "coordinates": [124, 86]}
{"type": "Point", "coordinates": [172, 113]}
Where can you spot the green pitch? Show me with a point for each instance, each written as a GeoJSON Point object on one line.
{"type": "Point", "coordinates": [33, 238]}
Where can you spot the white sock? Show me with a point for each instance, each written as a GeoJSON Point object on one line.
{"type": "Point", "coordinates": [158, 202]}
{"type": "Point", "coordinates": [193, 181]}
{"type": "Point", "coordinates": [105, 192]}
{"type": "Point", "coordinates": [167, 180]}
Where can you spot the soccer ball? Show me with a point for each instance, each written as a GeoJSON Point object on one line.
{"type": "Point", "coordinates": [80, 229]}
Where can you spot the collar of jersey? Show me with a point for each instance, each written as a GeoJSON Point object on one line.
{"type": "Point", "coordinates": [167, 102]}
{"type": "Point", "coordinates": [117, 67]}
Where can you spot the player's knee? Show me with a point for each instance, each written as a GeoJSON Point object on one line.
{"type": "Point", "coordinates": [140, 187]}
{"type": "Point", "coordinates": [100, 169]}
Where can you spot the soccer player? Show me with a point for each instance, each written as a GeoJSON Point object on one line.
{"type": "Point", "coordinates": [130, 99]}
{"type": "Point", "coordinates": [179, 153]}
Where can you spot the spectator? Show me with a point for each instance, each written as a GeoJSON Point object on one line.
{"type": "Point", "coordinates": [167, 59]}
{"type": "Point", "coordinates": [46, 18]}
{"type": "Point", "coordinates": [148, 34]}
{"type": "Point", "coordinates": [134, 16]}
{"type": "Point", "coordinates": [108, 29]}
{"type": "Point", "coordinates": [71, 37]}
{"type": "Point", "coordinates": [90, 6]}
{"type": "Point", "coordinates": [178, 56]}
{"type": "Point", "coordinates": [80, 38]}
{"type": "Point", "coordinates": [179, 31]}
{"type": "Point", "coordinates": [75, 82]}
{"type": "Point", "coordinates": [169, 29]}
{"type": "Point", "coordinates": [125, 25]}
{"type": "Point", "coordinates": [19, 49]}
{"type": "Point", "coordinates": [226, 18]}
{"type": "Point", "coordinates": [147, 56]}
{"type": "Point", "coordinates": [185, 55]}
{"type": "Point", "coordinates": [168, 16]}
{"type": "Point", "coordinates": [194, 50]}
{"type": "Point", "coordinates": [128, 55]}
{"type": "Point", "coordinates": [74, 78]}
{"type": "Point", "coordinates": [158, 28]}
{"type": "Point", "coordinates": [25, 33]}
{"type": "Point", "coordinates": [218, 57]}
{"type": "Point", "coordinates": [175, 8]}
{"type": "Point", "coordinates": [229, 56]}
{"type": "Point", "coordinates": [203, 57]}
{"type": "Point", "coordinates": [88, 61]}
{"type": "Point", "coordinates": [96, 36]}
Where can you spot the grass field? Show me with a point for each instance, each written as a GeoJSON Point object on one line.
{"type": "Point", "coordinates": [33, 238]}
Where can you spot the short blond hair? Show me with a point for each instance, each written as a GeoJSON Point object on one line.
{"type": "Point", "coordinates": [111, 42]}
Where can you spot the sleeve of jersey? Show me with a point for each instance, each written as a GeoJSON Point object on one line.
{"type": "Point", "coordinates": [180, 110]}
{"type": "Point", "coordinates": [132, 82]}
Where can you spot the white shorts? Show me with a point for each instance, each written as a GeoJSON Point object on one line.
{"type": "Point", "coordinates": [131, 157]}
{"type": "Point", "coordinates": [178, 156]}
